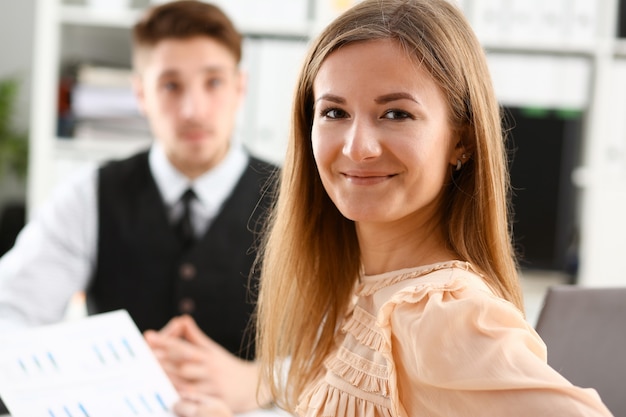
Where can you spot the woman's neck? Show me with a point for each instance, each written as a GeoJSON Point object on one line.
{"type": "Point", "coordinates": [390, 247]}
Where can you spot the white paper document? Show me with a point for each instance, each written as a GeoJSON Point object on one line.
{"type": "Point", "coordinates": [99, 366]}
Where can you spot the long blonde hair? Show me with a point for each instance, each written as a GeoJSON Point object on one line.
{"type": "Point", "coordinates": [311, 257]}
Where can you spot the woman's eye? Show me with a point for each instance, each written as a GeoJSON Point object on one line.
{"type": "Point", "coordinates": [396, 114]}
{"type": "Point", "coordinates": [334, 113]}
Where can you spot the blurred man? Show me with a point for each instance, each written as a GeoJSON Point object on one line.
{"type": "Point", "coordinates": [169, 231]}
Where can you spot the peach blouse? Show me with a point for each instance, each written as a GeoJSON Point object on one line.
{"type": "Point", "coordinates": [435, 341]}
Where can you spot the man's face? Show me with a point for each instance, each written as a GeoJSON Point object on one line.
{"type": "Point", "coordinates": [190, 91]}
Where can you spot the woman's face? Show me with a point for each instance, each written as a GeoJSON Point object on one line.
{"type": "Point", "coordinates": [381, 136]}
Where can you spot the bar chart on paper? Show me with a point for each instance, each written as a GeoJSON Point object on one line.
{"type": "Point", "coordinates": [98, 366]}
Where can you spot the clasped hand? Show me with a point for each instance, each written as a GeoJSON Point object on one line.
{"type": "Point", "coordinates": [210, 380]}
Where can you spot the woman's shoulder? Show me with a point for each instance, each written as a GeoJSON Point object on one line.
{"type": "Point", "coordinates": [455, 285]}
{"type": "Point", "coordinates": [442, 276]}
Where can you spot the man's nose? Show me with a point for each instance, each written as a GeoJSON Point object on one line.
{"type": "Point", "coordinates": [194, 104]}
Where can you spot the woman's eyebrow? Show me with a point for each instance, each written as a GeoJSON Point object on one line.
{"type": "Point", "coordinates": [331, 97]}
{"type": "Point", "coordinates": [395, 96]}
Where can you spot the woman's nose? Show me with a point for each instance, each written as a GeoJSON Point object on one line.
{"type": "Point", "coordinates": [362, 142]}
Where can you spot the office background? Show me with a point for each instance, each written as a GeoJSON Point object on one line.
{"type": "Point", "coordinates": [559, 67]}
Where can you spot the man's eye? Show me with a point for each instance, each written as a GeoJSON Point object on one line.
{"type": "Point", "coordinates": [171, 86]}
{"type": "Point", "coordinates": [215, 82]}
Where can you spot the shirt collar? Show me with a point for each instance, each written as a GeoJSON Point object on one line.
{"type": "Point", "coordinates": [212, 188]}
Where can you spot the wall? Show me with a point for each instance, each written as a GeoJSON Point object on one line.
{"type": "Point", "coordinates": [16, 38]}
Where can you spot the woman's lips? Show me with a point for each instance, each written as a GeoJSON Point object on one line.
{"type": "Point", "coordinates": [366, 178]}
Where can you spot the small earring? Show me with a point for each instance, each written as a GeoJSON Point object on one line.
{"type": "Point", "coordinates": [464, 156]}
{"type": "Point", "coordinates": [458, 165]}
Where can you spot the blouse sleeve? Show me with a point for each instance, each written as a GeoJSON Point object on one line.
{"type": "Point", "coordinates": [469, 353]}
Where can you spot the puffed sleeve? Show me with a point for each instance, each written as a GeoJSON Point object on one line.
{"type": "Point", "coordinates": [465, 352]}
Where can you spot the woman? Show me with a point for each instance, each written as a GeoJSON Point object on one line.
{"type": "Point", "coordinates": [389, 284]}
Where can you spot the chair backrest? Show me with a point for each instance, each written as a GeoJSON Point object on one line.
{"type": "Point", "coordinates": [585, 332]}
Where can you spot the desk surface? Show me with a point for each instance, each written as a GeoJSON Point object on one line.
{"type": "Point", "coordinates": [256, 413]}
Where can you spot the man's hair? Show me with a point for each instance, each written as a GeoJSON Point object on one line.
{"type": "Point", "coordinates": [186, 19]}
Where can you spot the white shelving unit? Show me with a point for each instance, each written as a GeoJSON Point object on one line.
{"type": "Point", "coordinates": [602, 175]}
{"type": "Point", "coordinates": [553, 53]}
{"type": "Point", "coordinates": [588, 40]}
{"type": "Point", "coordinates": [83, 15]}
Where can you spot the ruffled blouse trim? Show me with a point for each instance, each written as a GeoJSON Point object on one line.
{"type": "Point", "coordinates": [326, 400]}
{"type": "Point", "coordinates": [362, 326]}
{"type": "Point", "coordinates": [370, 284]}
{"type": "Point", "coordinates": [359, 372]}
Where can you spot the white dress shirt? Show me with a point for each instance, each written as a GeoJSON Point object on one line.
{"type": "Point", "coordinates": [55, 254]}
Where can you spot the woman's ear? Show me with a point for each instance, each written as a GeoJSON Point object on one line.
{"type": "Point", "coordinates": [459, 158]}
{"type": "Point", "coordinates": [461, 152]}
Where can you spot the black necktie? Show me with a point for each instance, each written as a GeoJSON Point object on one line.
{"type": "Point", "coordinates": [183, 228]}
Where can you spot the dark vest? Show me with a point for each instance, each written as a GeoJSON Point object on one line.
{"type": "Point", "coordinates": [141, 266]}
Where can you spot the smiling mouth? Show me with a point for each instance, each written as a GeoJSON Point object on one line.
{"type": "Point", "coordinates": [367, 179]}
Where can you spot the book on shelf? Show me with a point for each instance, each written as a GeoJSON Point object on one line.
{"type": "Point", "coordinates": [103, 104]}
{"type": "Point", "coordinates": [104, 76]}
{"type": "Point", "coordinates": [102, 91]}
{"type": "Point", "coordinates": [112, 128]}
